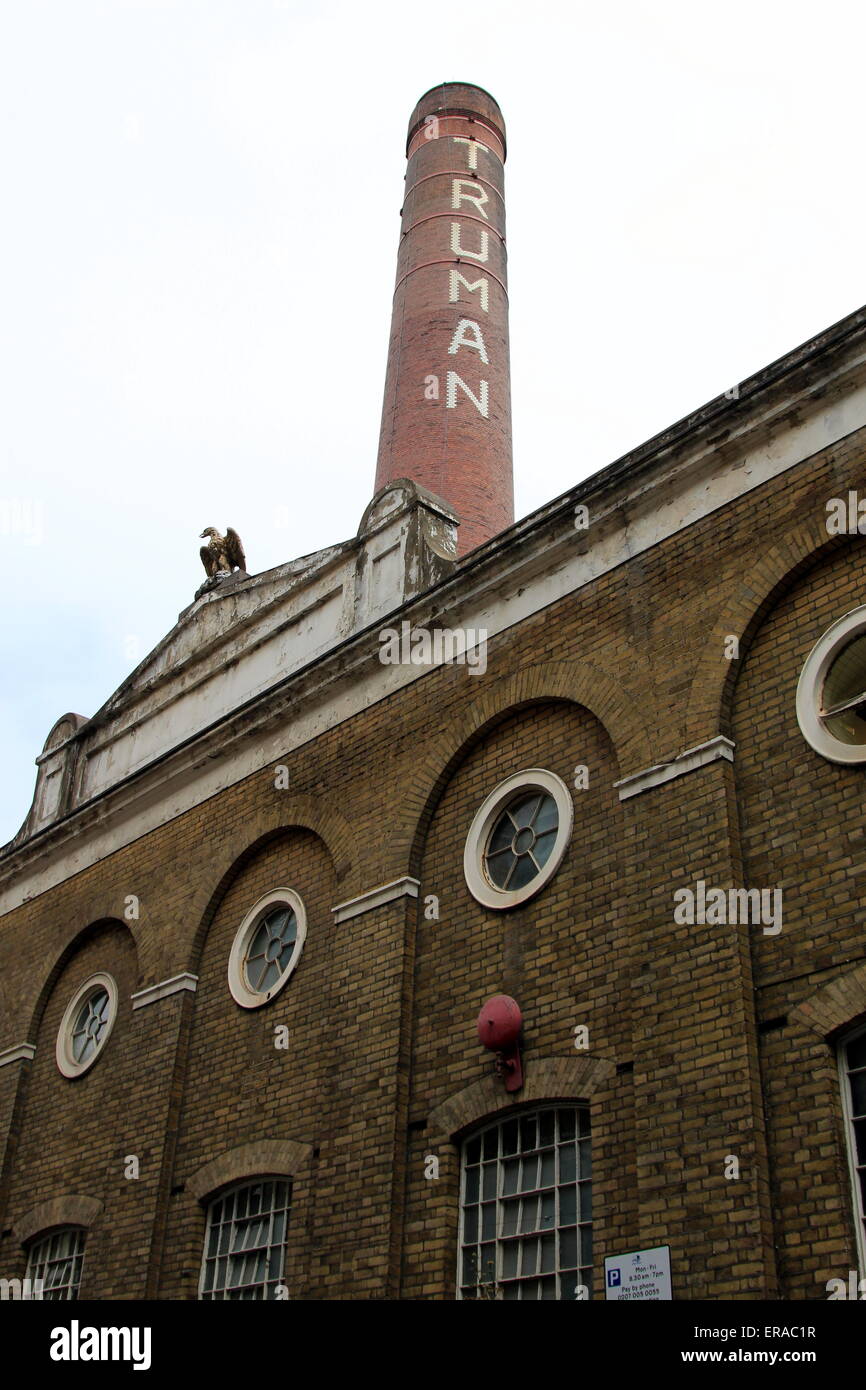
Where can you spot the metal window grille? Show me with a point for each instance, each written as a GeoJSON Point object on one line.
{"type": "Point", "coordinates": [245, 1241]}
{"type": "Point", "coordinates": [271, 949]}
{"type": "Point", "coordinates": [89, 1028]}
{"type": "Point", "coordinates": [56, 1260]}
{"type": "Point", "coordinates": [521, 841]}
{"type": "Point", "coordinates": [843, 698]}
{"type": "Point", "coordinates": [853, 1059]}
{"type": "Point", "coordinates": [526, 1207]}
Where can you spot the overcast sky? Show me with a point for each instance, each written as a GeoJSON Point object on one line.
{"type": "Point", "coordinates": [199, 236]}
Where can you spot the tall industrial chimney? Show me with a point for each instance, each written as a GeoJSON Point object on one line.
{"type": "Point", "coordinates": [446, 417]}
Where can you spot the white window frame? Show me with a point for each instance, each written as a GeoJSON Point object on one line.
{"type": "Point", "coordinates": [810, 689]}
{"type": "Point", "coordinates": [41, 1257]}
{"type": "Point", "coordinates": [221, 1259]}
{"type": "Point", "coordinates": [477, 880]}
{"type": "Point", "coordinates": [500, 1238]}
{"type": "Point", "coordinates": [240, 990]}
{"type": "Point", "coordinates": [63, 1052]}
{"type": "Point", "coordinates": [851, 1145]}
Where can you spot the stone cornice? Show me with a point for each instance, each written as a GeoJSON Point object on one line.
{"type": "Point", "coordinates": [690, 761]}
{"type": "Point", "coordinates": [376, 897]}
{"type": "Point", "coordinates": [176, 985]}
{"type": "Point", "coordinates": [20, 1052]}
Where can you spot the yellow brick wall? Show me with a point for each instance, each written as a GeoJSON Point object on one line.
{"type": "Point", "coordinates": [625, 673]}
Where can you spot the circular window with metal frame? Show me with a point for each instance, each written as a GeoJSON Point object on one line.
{"type": "Point", "coordinates": [831, 693]}
{"type": "Point", "coordinates": [517, 838]}
{"type": "Point", "coordinates": [86, 1025]}
{"type": "Point", "coordinates": [266, 948]}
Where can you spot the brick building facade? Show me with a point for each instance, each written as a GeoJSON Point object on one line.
{"type": "Point", "coordinates": [646, 642]}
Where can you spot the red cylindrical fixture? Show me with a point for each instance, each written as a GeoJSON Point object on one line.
{"type": "Point", "coordinates": [446, 418]}
{"type": "Point", "coordinates": [499, 1022]}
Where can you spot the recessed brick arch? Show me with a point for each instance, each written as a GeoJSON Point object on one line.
{"type": "Point", "coordinates": [546, 1079]}
{"type": "Point", "coordinates": [577, 682]}
{"type": "Point", "coordinates": [712, 689]}
{"type": "Point", "coordinates": [293, 813]}
{"type": "Point", "coordinates": [283, 1157]}
{"type": "Point", "coordinates": [103, 925]}
{"type": "Point", "coordinates": [836, 1005]}
{"type": "Point", "coordinates": [68, 1209]}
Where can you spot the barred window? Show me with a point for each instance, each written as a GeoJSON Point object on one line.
{"type": "Point", "coordinates": [56, 1259]}
{"type": "Point", "coordinates": [526, 1207]}
{"type": "Point", "coordinates": [853, 1069]}
{"type": "Point", "coordinates": [244, 1251]}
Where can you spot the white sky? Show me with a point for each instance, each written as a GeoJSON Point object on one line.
{"type": "Point", "coordinates": [199, 237]}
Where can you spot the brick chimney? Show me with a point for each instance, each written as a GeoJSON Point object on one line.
{"type": "Point", "coordinates": [446, 417]}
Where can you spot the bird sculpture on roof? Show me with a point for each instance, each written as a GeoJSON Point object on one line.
{"type": "Point", "coordinates": [222, 554]}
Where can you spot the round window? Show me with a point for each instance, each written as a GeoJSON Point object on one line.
{"type": "Point", "coordinates": [518, 838]}
{"type": "Point", "coordinates": [266, 948]}
{"type": "Point", "coordinates": [831, 694]}
{"type": "Point", "coordinates": [86, 1025]}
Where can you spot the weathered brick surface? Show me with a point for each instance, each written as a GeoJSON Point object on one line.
{"type": "Point", "coordinates": [383, 1059]}
{"type": "Point", "coordinates": [802, 831]}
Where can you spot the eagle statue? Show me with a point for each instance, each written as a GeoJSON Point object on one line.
{"type": "Point", "coordinates": [222, 554]}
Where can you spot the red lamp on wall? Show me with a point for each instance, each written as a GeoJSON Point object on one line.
{"type": "Point", "coordinates": [499, 1025]}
